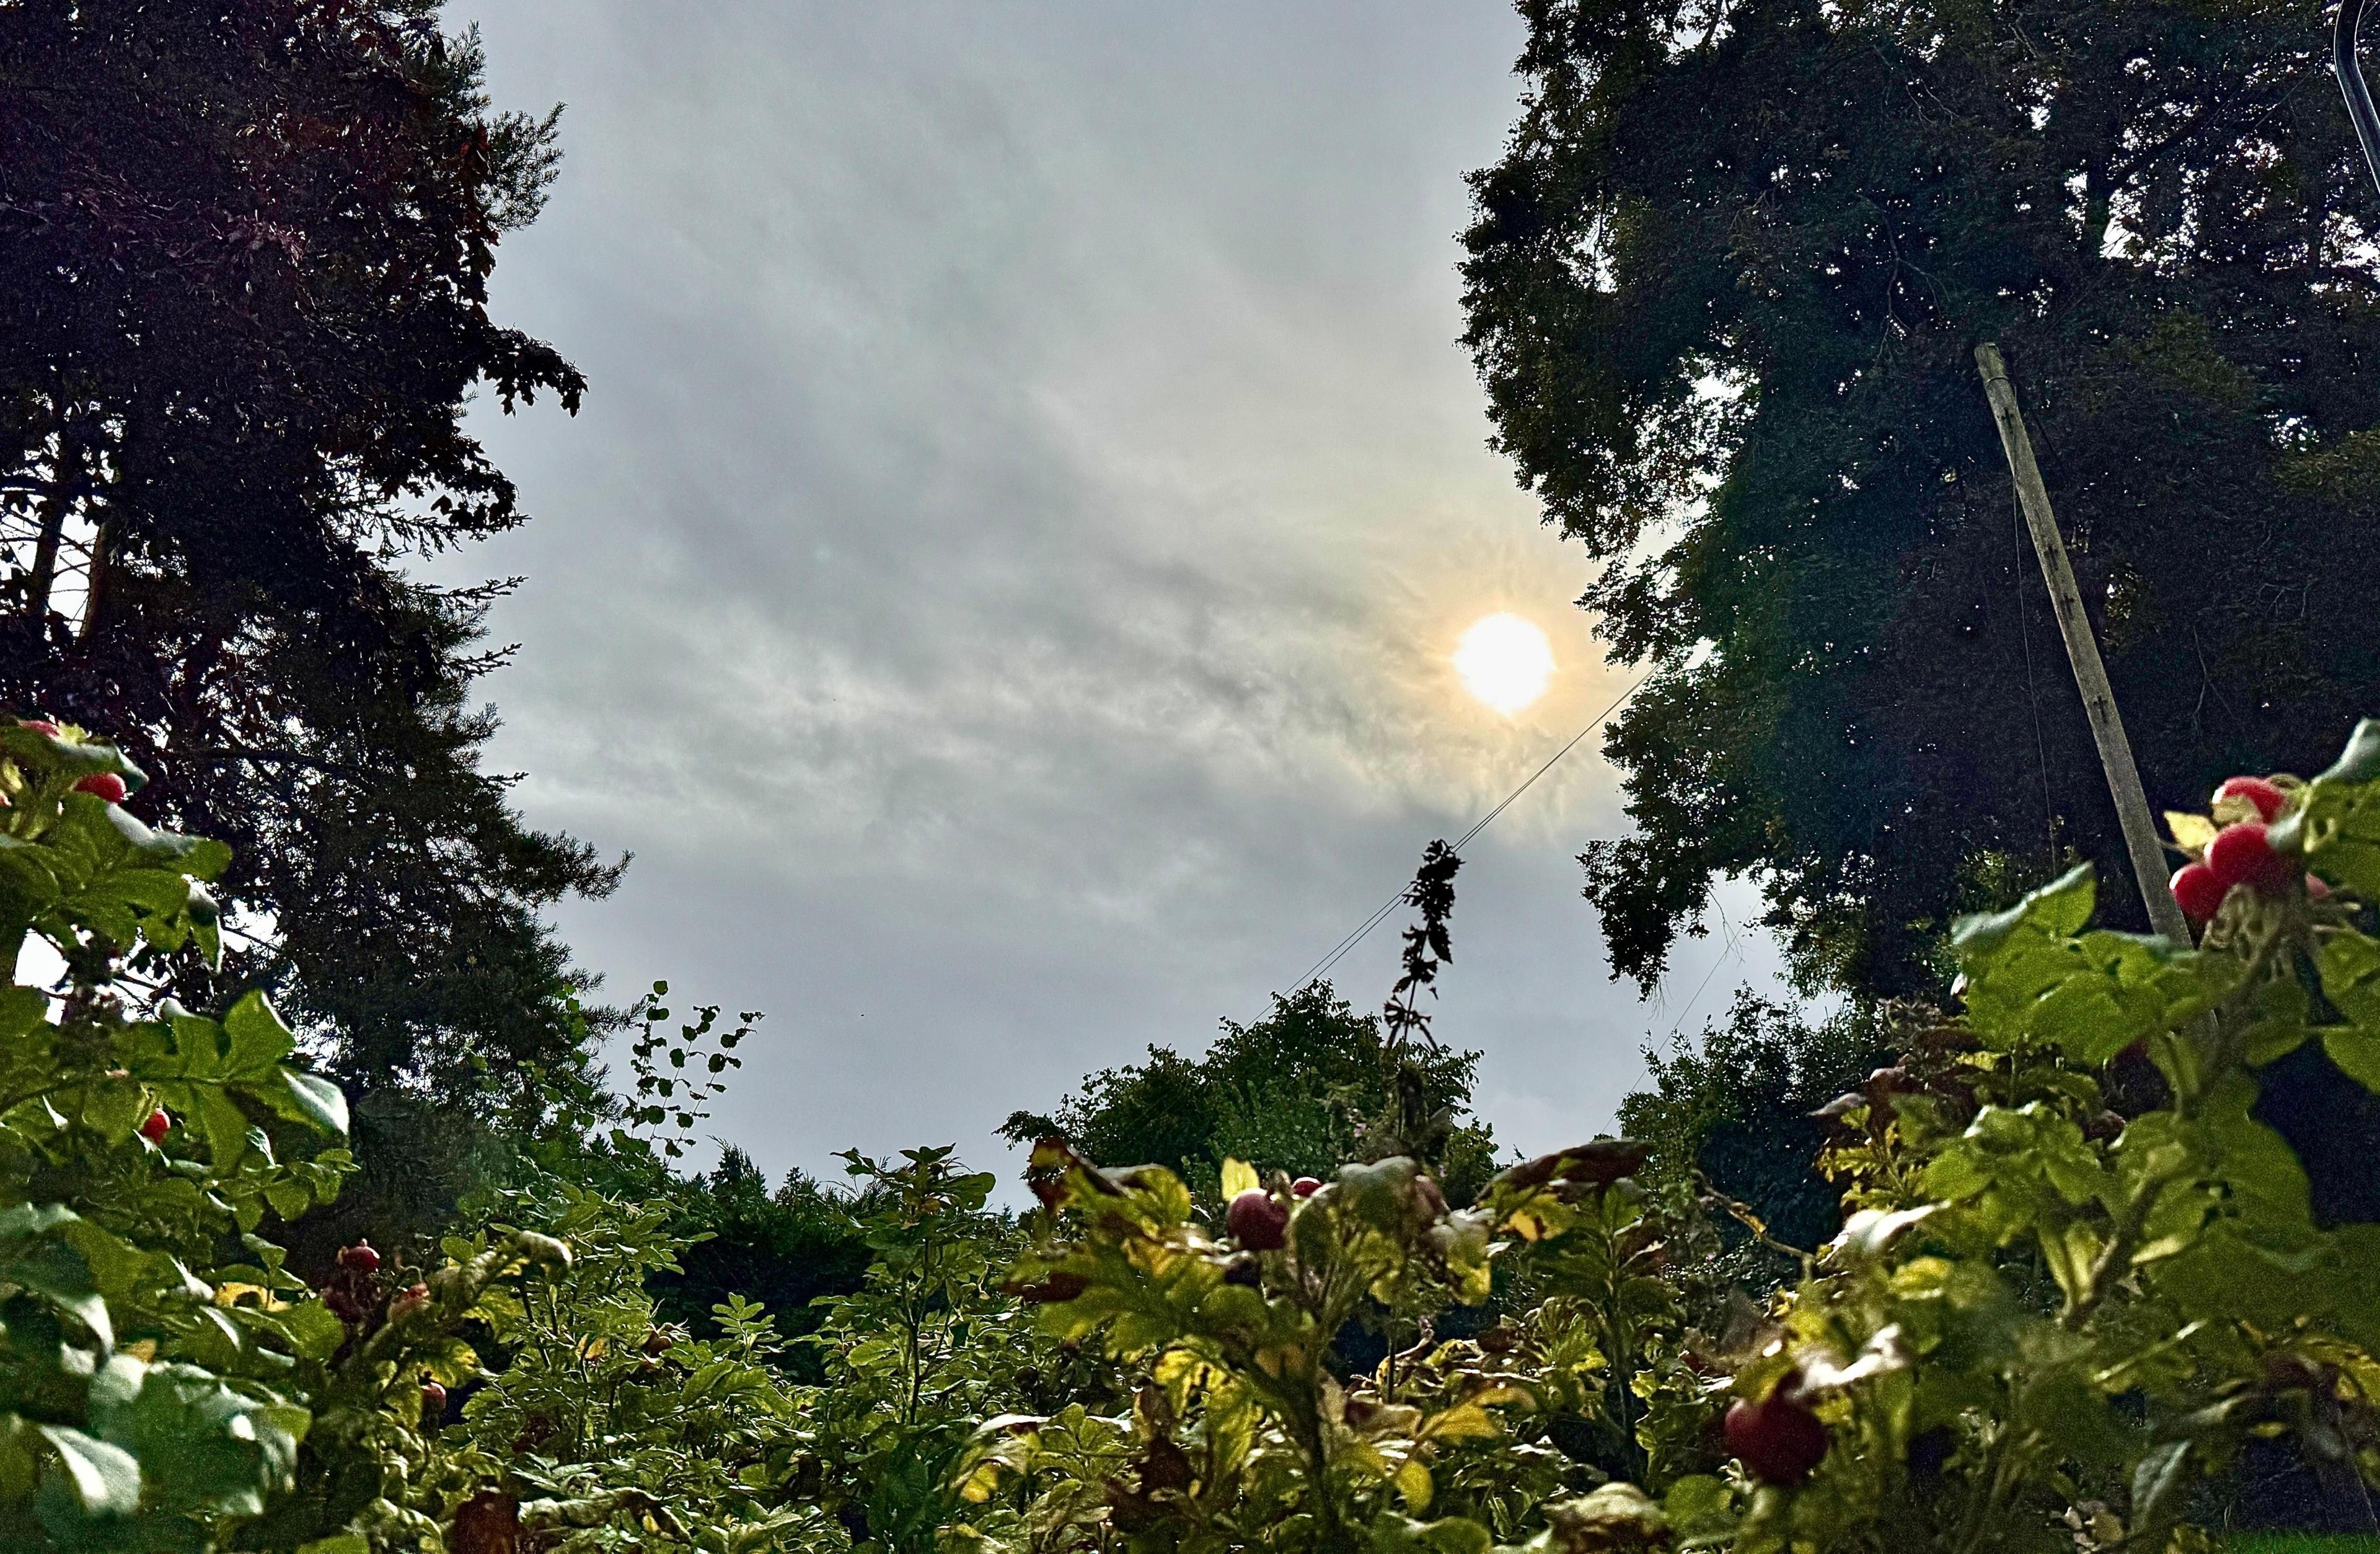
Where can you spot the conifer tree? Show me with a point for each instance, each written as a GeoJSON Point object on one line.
{"type": "Point", "coordinates": [244, 256]}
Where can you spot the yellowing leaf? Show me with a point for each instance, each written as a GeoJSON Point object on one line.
{"type": "Point", "coordinates": [2192, 833]}
{"type": "Point", "coordinates": [232, 1293]}
{"type": "Point", "coordinates": [1467, 1421]}
{"type": "Point", "coordinates": [1239, 1177]}
{"type": "Point", "coordinates": [1413, 1483]}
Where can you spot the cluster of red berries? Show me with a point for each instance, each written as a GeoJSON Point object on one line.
{"type": "Point", "coordinates": [355, 1289]}
{"type": "Point", "coordinates": [2241, 854]}
{"type": "Point", "coordinates": [352, 1291]}
{"type": "Point", "coordinates": [106, 784]}
{"type": "Point", "coordinates": [344, 1295]}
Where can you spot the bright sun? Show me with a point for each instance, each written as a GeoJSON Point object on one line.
{"type": "Point", "coordinates": [1505, 662]}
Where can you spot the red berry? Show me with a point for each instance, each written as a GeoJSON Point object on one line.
{"type": "Point", "coordinates": [40, 725]}
{"type": "Point", "coordinates": [412, 1300]}
{"type": "Point", "coordinates": [1305, 1186]}
{"type": "Point", "coordinates": [2269, 800]}
{"type": "Point", "coordinates": [2241, 855]}
{"type": "Point", "coordinates": [1778, 1438]}
{"type": "Point", "coordinates": [156, 1125]}
{"type": "Point", "coordinates": [106, 784]}
{"type": "Point", "coordinates": [2198, 891]}
{"type": "Point", "coordinates": [361, 1257]}
{"type": "Point", "coordinates": [434, 1400]}
{"type": "Point", "coordinates": [2316, 887]}
{"type": "Point", "coordinates": [1256, 1221]}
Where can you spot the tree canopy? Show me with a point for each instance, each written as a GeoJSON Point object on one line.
{"type": "Point", "coordinates": [1738, 1106]}
{"type": "Point", "coordinates": [1295, 1091]}
{"type": "Point", "coordinates": [244, 254]}
{"type": "Point", "coordinates": [1724, 289]}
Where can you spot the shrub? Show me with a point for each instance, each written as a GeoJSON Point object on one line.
{"type": "Point", "coordinates": [2042, 1325]}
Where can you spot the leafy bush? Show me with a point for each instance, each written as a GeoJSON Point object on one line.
{"type": "Point", "coordinates": [1296, 1088]}
{"type": "Point", "coordinates": [168, 1383]}
{"type": "Point", "coordinates": [2043, 1324]}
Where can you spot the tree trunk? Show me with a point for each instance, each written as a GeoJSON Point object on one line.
{"type": "Point", "coordinates": [101, 566]}
{"type": "Point", "coordinates": [56, 502]}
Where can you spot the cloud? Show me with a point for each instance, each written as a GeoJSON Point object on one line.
{"type": "Point", "coordinates": [1002, 583]}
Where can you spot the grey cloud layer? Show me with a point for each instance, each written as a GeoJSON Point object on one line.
{"type": "Point", "coordinates": [1002, 579]}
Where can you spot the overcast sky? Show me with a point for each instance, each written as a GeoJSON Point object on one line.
{"type": "Point", "coordinates": [1002, 584]}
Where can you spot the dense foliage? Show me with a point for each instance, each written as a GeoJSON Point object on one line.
{"type": "Point", "coordinates": [244, 260]}
{"type": "Point", "coordinates": [2044, 1325]}
{"type": "Point", "coordinates": [2033, 1268]}
{"type": "Point", "coordinates": [1744, 1107]}
{"type": "Point", "coordinates": [1724, 288]}
{"type": "Point", "coordinates": [1298, 1089]}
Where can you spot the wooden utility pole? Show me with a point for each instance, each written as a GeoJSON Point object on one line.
{"type": "Point", "coordinates": [2083, 651]}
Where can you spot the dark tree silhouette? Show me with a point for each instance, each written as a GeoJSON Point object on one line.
{"type": "Point", "coordinates": [243, 252]}
{"type": "Point", "coordinates": [1724, 290]}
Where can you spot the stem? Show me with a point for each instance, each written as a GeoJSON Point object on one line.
{"type": "Point", "coordinates": [2123, 1239]}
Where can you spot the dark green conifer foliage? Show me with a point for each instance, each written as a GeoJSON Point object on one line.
{"type": "Point", "coordinates": [783, 1249]}
{"type": "Point", "coordinates": [1724, 290]}
{"type": "Point", "coordinates": [244, 252]}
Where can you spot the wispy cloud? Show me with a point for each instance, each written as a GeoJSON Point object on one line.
{"type": "Point", "coordinates": [1002, 583]}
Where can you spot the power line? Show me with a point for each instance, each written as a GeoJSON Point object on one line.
{"type": "Point", "coordinates": [1340, 951]}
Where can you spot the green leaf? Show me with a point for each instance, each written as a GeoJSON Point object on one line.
{"type": "Point", "coordinates": [2337, 825]}
{"type": "Point", "coordinates": [2031, 978]}
{"type": "Point", "coordinates": [288, 1196]}
{"type": "Point", "coordinates": [200, 1445]}
{"type": "Point", "coordinates": [20, 1010]}
{"type": "Point", "coordinates": [258, 1039]}
{"type": "Point", "coordinates": [2348, 963]}
{"type": "Point", "coordinates": [1698, 1505]}
{"type": "Point", "coordinates": [34, 1259]}
{"type": "Point", "coordinates": [105, 1479]}
{"type": "Point", "coordinates": [2057, 909]}
{"type": "Point", "coordinates": [2356, 1053]}
{"type": "Point", "coordinates": [307, 1097]}
{"type": "Point", "coordinates": [225, 1125]}
{"type": "Point", "coordinates": [2276, 1022]}
{"type": "Point", "coordinates": [2159, 1483]}
{"type": "Point", "coordinates": [315, 1332]}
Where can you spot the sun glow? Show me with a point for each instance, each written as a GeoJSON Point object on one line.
{"type": "Point", "coordinates": [1505, 662]}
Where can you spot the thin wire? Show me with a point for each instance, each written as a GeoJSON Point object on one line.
{"type": "Point", "coordinates": [1734, 953]}
{"type": "Point", "coordinates": [1340, 951]}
